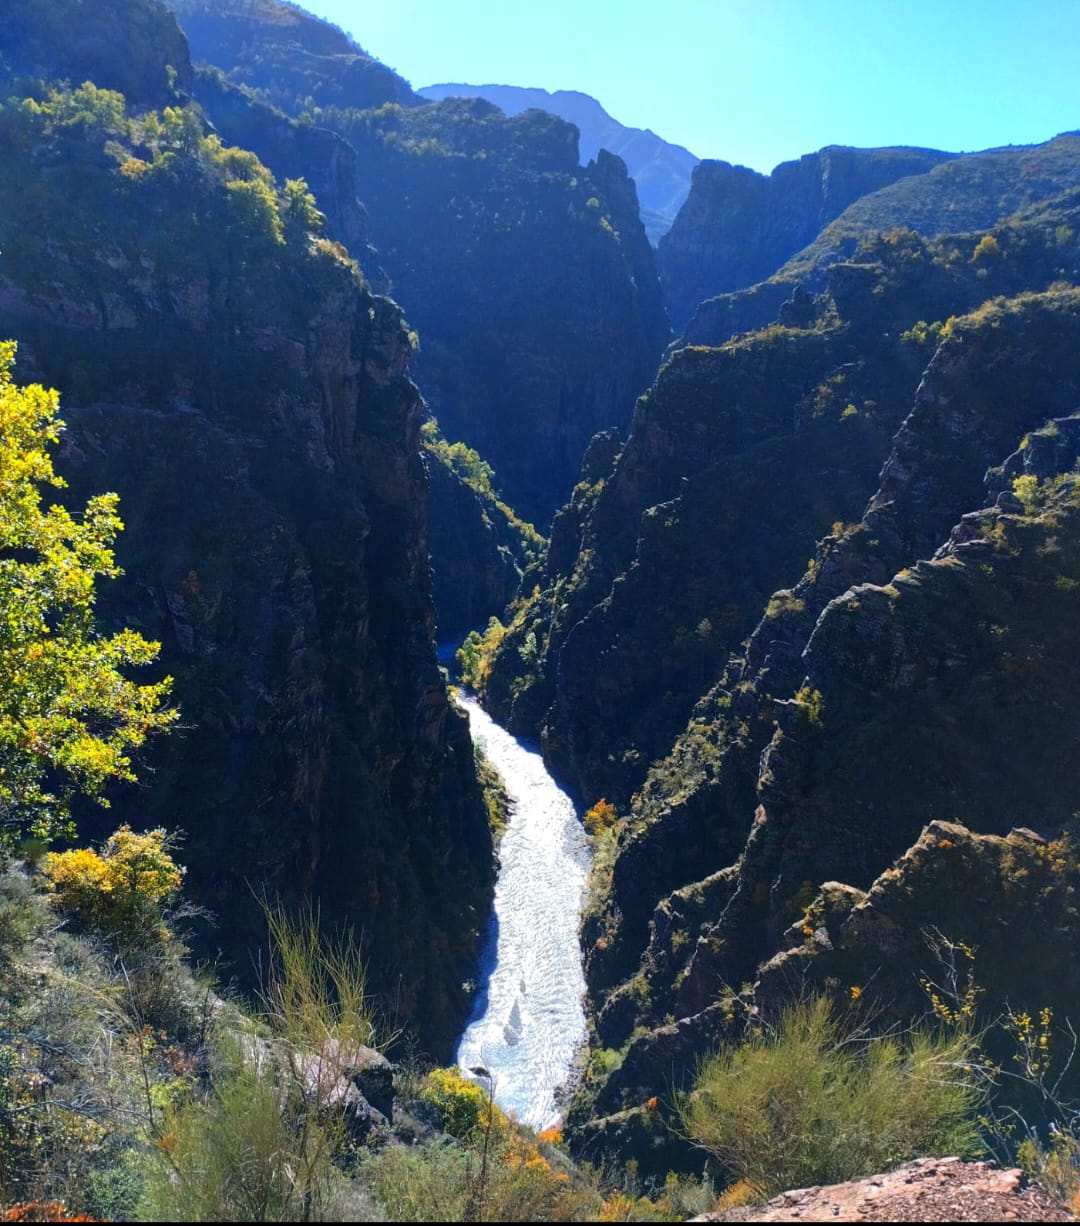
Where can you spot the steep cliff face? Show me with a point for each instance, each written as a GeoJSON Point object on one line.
{"type": "Point", "coordinates": [740, 459]}
{"type": "Point", "coordinates": [287, 54]}
{"type": "Point", "coordinates": [235, 381]}
{"type": "Point", "coordinates": [135, 47]}
{"type": "Point", "coordinates": [661, 171]}
{"type": "Point", "coordinates": [738, 226]}
{"type": "Point", "coordinates": [918, 670]}
{"type": "Point", "coordinates": [937, 685]}
{"type": "Point", "coordinates": [480, 549]}
{"type": "Point", "coordinates": [1010, 899]}
{"type": "Point", "coordinates": [976, 192]}
{"type": "Point", "coordinates": [529, 278]}
{"type": "Point", "coordinates": [295, 151]}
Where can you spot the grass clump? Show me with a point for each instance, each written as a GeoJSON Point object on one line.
{"type": "Point", "coordinates": [235, 1156]}
{"type": "Point", "coordinates": [265, 1139]}
{"type": "Point", "coordinates": [816, 1100]}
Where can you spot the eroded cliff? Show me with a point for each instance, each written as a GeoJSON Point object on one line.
{"type": "Point", "coordinates": [232, 377]}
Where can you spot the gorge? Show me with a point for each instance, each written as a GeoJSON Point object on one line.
{"type": "Point", "coordinates": [761, 546]}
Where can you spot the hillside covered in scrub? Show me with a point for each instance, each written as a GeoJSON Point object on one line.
{"type": "Point", "coordinates": [775, 733]}
{"type": "Point", "coordinates": [773, 627]}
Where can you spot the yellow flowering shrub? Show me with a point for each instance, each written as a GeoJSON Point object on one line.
{"type": "Point", "coordinates": [462, 1103]}
{"type": "Point", "coordinates": [602, 816]}
{"type": "Point", "coordinates": [120, 890]}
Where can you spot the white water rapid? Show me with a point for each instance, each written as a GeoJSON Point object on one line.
{"type": "Point", "coordinates": [529, 1020]}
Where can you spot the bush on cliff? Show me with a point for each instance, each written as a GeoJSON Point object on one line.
{"type": "Point", "coordinates": [815, 1100]}
{"type": "Point", "coordinates": [121, 891]}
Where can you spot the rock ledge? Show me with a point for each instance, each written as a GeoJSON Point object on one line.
{"type": "Point", "coordinates": [929, 1190]}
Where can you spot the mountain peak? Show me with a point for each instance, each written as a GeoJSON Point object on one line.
{"type": "Point", "coordinates": [660, 170]}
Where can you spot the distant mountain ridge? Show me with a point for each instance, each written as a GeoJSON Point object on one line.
{"type": "Point", "coordinates": [738, 226]}
{"type": "Point", "coordinates": [662, 171]}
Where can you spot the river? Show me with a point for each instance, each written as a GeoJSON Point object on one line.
{"type": "Point", "coordinates": [529, 1021]}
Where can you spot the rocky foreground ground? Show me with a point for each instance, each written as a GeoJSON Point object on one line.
{"type": "Point", "coordinates": [929, 1190]}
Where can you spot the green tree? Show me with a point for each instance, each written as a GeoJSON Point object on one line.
{"type": "Point", "coordinates": [69, 717]}
{"type": "Point", "coordinates": [300, 210]}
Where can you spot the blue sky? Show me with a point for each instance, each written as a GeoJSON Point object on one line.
{"type": "Point", "coordinates": [758, 81]}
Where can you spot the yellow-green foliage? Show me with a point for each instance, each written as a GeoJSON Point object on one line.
{"type": "Point", "coordinates": [813, 704]}
{"type": "Point", "coordinates": [602, 816]}
{"type": "Point", "coordinates": [316, 992]}
{"type": "Point", "coordinates": [1054, 1164]}
{"type": "Point", "coordinates": [234, 1156]}
{"type": "Point", "coordinates": [783, 602]}
{"type": "Point", "coordinates": [121, 890]}
{"type": "Point", "coordinates": [1026, 488]}
{"type": "Point", "coordinates": [478, 474]}
{"type": "Point", "coordinates": [816, 1100]}
{"type": "Point", "coordinates": [496, 800]}
{"type": "Point", "coordinates": [515, 1176]}
{"type": "Point", "coordinates": [987, 248]}
{"type": "Point", "coordinates": [605, 851]}
{"type": "Point", "coordinates": [262, 1142]}
{"type": "Point", "coordinates": [928, 335]}
{"type": "Point", "coordinates": [463, 1104]}
{"type": "Point", "coordinates": [163, 152]}
{"type": "Point", "coordinates": [476, 655]}
{"type": "Point", "coordinates": [450, 1184]}
{"type": "Point", "coordinates": [67, 706]}
{"type": "Point", "coordinates": [96, 1042]}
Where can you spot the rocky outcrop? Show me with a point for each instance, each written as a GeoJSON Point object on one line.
{"type": "Point", "coordinates": [974, 193]}
{"type": "Point", "coordinates": [740, 460]}
{"type": "Point", "coordinates": [869, 798]}
{"type": "Point", "coordinates": [995, 911]}
{"type": "Point", "coordinates": [295, 150]}
{"type": "Point", "coordinates": [476, 559]}
{"type": "Point", "coordinates": [528, 277]}
{"type": "Point", "coordinates": [135, 47]}
{"type": "Point", "coordinates": [287, 54]}
{"type": "Point", "coordinates": [919, 670]}
{"type": "Point", "coordinates": [234, 380]}
{"type": "Point", "coordinates": [738, 226]}
{"type": "Point", "coordinates": [927, 1190]}
{"type": "Point", "coordinates": [661, 171]}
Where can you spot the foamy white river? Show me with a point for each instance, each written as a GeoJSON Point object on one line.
{"type": "Point", "coordinates": [529, 1020]}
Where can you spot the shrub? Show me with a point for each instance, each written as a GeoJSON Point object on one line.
{"type": "Point", "coordinates": [235, 1157]}
{"type": "Point", "coordinates": [427, 1184]}
{"type": "Point", "coordinates": [987, 248]}
{"type": "Point", "coordinates": [317, 987]}
{"type": "Point", "coordinates": [496, 798]}
{"type": "Point", "coordinates": [446, 1183]}
{"type": "Point", "coordinates": [122, 890]}
{"type": "Point", "coordinates": [815, 1100]}
{"type": "Point", "coordinates": [602, 816]}
{"type": "Point", "coordinates": [1054, 1164]}
{"type": "Point", "coordinates": [476, 655]}
{"type": "Point", "coordinates": [463, 1104]}
{"type": "Point", "coordinates": [263, 1144]}
{"type": "Point", "coordinates": [21, 914]}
